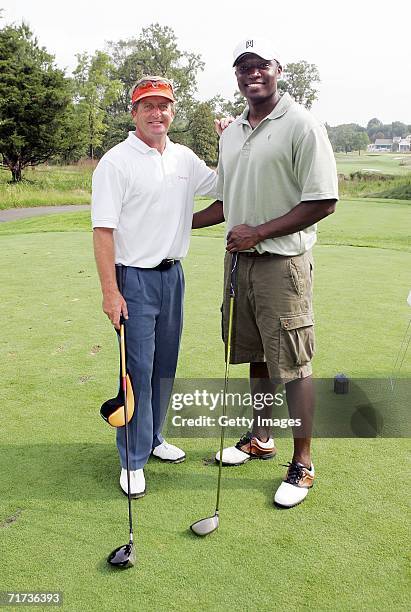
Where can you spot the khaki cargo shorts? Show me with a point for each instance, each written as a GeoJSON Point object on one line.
{"type": "Point", "coordinates": [273, 314]}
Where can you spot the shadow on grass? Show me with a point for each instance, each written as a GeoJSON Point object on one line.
{"type": "Point", "coordinates": [79, 471]}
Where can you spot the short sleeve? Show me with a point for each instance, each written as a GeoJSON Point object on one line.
{"type": "Point", "coordinates": [220, 173]}
{"type": "Point", "coordinates": [314, 166]}
{"type": "Point", "coordinates": [204, 178]}
{"type": "Point", "coordinates": [108, 188]}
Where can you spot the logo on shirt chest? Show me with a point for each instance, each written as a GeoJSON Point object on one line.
{"type": "Point", "coordinates": [182, 178]}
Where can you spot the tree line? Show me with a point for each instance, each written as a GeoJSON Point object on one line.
{"type": "Point", "coordinates": [353, 137]}
{"type": "Point", "coordinates": [45, 114]}
{"type": "Point", "coordinates": [48, 115]}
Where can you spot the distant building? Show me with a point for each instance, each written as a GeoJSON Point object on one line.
{"type": "Point", "coordinates": [383, 144]}
{"type": "Point", "coordinates": [405, 144]}
{"type": "Point", "coordinates": [387, 144]}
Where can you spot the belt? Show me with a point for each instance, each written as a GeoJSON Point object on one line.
{"type": "Point", "coordinates": [166, 264]}
{"type": "Point", "coordinates": [257, 254]}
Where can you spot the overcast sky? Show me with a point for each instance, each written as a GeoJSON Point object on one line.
{"type": "Point", "coordinates": [361, 48]}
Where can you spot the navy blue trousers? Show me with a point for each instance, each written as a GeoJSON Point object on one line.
{"type": "Point", "coordinates": [153, 331]}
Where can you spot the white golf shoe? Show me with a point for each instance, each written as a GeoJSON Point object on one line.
{"type": "Point", "coordinates": [168, 452]}
{"type": "Point", "coordinates": [296, 485]}
{"type": "Point", "coordinates": [137, 483]}
{"type": "Point", "coordinates": [248, 447]}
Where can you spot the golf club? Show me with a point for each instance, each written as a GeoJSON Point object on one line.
{"type": "Point", "coordinates": [207, 525]}
{"type": "Point", "coordinates": [405, 343]}
{"type": "Point", "coordinates": [112, 411]}
{"type": "Point", "coordinates": [124, 556]}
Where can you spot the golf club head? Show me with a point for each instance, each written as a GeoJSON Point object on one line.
{"type": "Point", "coordinates": [205, 526]}
{"type": "Point", "coordinates": [123, 556]}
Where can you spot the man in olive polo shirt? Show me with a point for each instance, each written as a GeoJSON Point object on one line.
{"type": "Point", "coordinates": [277, 178]}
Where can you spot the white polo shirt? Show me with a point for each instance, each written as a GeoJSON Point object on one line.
{"type": "Point", "coordinates": [148, 199]}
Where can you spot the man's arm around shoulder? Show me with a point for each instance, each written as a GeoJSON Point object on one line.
{"type": "Point", "coordinates": [212, 215]}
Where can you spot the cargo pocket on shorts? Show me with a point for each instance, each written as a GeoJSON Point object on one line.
{"type": "Point", "coordinates": [297, 277]}
{"type": "Point", "coordinates": [297, 343]}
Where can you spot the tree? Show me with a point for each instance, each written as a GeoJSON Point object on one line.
{"type": "Point", "coordinates": [376, 129]}
{"type": "Point", "coordinates": [204, 136]}
{"type": "Point", "coordinates": [96, 90]}
{"type": "Point", "coordinates": [222, 107]}
{"type": "Point", "coordinates": [374, 126]}
{"type": "Point", "coordinates": [34, 96]}
{"type": "Point", "coordinates": [374, 123]}
{"type": "Point", "coordinates": [360, 141]}
{"type": "Point", "coordinates": [117, 128]}
{"type": "Point", "coordinates": [347, 137]}
{"type": "Point", "coordinates": [298, 80]}
{"type": "Point", "coordinates": [399, 129]}
{"type": "Point", "coordinates": [155, 51]}
{"type": "Point", "coordinates": [73, 138]}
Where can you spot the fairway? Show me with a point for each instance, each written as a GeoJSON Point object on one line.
{"type": "Point", "coordinates": [61, 510]}
{"type": "Point", "coordinates": [396, 164]}
{"type": "Point", "coordinates": [54, 184]}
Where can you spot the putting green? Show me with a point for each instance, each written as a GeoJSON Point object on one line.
{"type": "Point", "coordinates": [61, 510]}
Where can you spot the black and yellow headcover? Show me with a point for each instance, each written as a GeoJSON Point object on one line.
{"type": "Point", "coordinates": [112, 410]}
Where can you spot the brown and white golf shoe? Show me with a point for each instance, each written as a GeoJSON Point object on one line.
{"type": "Point", "coordinates": [294, 489]}
{"type": "Point", "coordinates": [248, 447]}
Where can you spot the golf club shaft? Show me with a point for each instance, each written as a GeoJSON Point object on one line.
{"type": "Point", "coordinates": [402, 350]}
{"type": "Point", "coordinates": [227, 367]}
{"type": "Point", "coordinates": [124, 382]}
{"type": "Point", "coordinates": [234, 259]}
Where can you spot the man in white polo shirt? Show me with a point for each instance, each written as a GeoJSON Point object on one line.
{"type": "Point", "coordinates": [277, 178]}
{"type": "Point", "coordinates": [142, 206]}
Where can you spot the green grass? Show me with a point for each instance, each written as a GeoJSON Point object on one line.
{"type": "Point", "coordinates": [47, 186]}
{"type": "Point", "coordinates": [342, 550]}
{"type": "Point", "coordinates": [357, 222]}
{"type": "Point", "coordinates": [373, 186]}
{"type": "Point", "coordinates": [66, 222]}
{"type": "Point", "coordinates": [400, 191]}
{"type": "Point", "coordinates": [374, 223]}
{"type": "Point", "coordinates": [382, 163]}
{"type": "Point", "coordinates": [51, 185]}
{"type": "Point", "coordinates": [374, 175]}
{"type": "Point", "coordinates": [61, 511]}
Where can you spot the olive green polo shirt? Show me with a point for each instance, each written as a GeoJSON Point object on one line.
{"type": "Point", "coordinates": [263, 173]}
